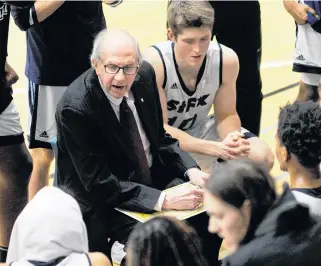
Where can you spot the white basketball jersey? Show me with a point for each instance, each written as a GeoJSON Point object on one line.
{"type": "Point", "coordinates": [188, 109]}
{"type": "Point", "coordinates": [308, 53]}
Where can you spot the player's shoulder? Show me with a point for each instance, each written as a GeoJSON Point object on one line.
{"type": "Point", "coordinates": [229, 56]}
{"type": "Point", "coordinates": [151, 55]}
{"type": "Point", "coordinates": [154, 53]}
{"type": "Point", "coordinates": [228, 53]}
{"type": "Point", "coordinates": [154, 56]}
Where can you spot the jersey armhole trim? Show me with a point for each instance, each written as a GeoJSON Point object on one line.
{"type": "Point", "coordinates": [220, 65]}
{"type": "Point", "coordinates": [89, 260]}
{"type": "Point", "coordinates": [164, 68]}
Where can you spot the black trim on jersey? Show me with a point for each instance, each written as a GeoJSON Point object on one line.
{"type": "Point", "coordinates": [201, 71]}
{"type": "Point", "coordinates": [33, 144]}
{"type": "Point", "coordinates": [11, 140]}
{"type": "Point", "coordinates": [33, 92]}
{"type": "Point", "coordinates": [306, 69]}
{"type": "Point", "coordinates": [164, 68]}
{"type": "Point", "coordinates": [313, 192]}
{"type": "Point", "coordinates": [89, 260]}
{"type": "Point", "coordinates": [199, 76]}
{"type": "Point", "coordinates": [5, 98]}
{"type": "Point", "coordinates": [248, 135]}
{"type": "Point", "coordinates": [49, 263]}
{"type": "Point", "coordinates": [220, 65]}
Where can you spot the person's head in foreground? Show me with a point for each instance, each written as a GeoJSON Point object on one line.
{"type": "Point", "coordinates": [50, 229]}
{"type": "Point", "coordinates": [298, 143]}
{"type": "Point", "coordinates": [164, 241]}
{"type": "Point", "coordinates": [190, 28]}
{"type": "Point", "coordinates": [236, 198]}
{"type": "Point", "coordinates": [116, 58]}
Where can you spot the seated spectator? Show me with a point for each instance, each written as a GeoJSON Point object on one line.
{"type": "Point", "coordinates": [260, 227]}
{"type": "Point", "coordinates": [164, 241]}
{"type": "Point", "coordinates": [50, 231]}
{"type": "Point", "coordinates": [298, 150]}
{"type": "Point", "coordinates": [113, 150]}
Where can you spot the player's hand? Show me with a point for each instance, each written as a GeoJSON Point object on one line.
{"type": "Point", "coordinates": [236, 141]}
{"type": "Point", "coordinates": [112, 3]}
{"type": "Point", "coordinates": [11, 75]}
{"type": "Point", "coordinates": [220, 150]}
{"type": "Point", "coordinates": [299, 11]}
{"type": "Point", "coordinates": [185, 198]}
{"type": "Point", "coordinates": [197, 177]}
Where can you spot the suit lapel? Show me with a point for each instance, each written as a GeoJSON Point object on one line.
{"type": "Point", "coordinates": [141, 101]}
{"type": "Point", "coordinates": [105, 112]}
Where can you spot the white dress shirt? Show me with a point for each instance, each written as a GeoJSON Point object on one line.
{"type": "Point", "coordinates": [115, 103]}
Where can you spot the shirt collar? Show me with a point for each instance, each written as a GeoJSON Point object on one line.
{"type": "Point", "coordinates": [112, 99]}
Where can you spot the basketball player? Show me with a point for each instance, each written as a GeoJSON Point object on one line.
{"type": "Point", "coordinates": [15, 160]}
{"type": "Point", "coordinates": [307, 59]}
{"type": "Point", "coordinates": [193, 73]}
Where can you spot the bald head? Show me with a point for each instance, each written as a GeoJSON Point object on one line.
{"type": "Point", "coordinates": [113, 40]}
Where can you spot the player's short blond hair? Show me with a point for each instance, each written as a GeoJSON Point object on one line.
{"type": "Point", "coordinates": [188, 14]}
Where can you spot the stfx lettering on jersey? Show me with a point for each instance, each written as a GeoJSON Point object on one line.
{"type": "Point", "coordinates": [185, 106]}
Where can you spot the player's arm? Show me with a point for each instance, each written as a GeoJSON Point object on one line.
{"type": "Point", "coordinates": [44, 9]}
{"type": "Point", "coordinates": [11, 75]}
{"type": "Point", "coordinates": [98, 259]}
{"type": "Point", "coordinates": [27, 17]}
{"type": "Point", "coordinates": [298, 10]}
{"type": "Point", "coordinates": [225, 112]}
{"type": "Point", "coordinates": [186, 142]}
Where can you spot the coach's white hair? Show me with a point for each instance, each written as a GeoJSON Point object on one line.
{"type": "Point", "coordinates": [102, 38]}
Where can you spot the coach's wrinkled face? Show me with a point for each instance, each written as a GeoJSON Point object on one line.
{"type": "Point", "coordinates": [117, 68]}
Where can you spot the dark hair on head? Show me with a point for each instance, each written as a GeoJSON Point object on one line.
{"type": "Point", "coordinates": [189, 14]}
{"type": "Point", "coordinates": [299, 131]}
{"type": "Point", "coordinates": [165, 241]}
{"type": "Point", "coordinates": [238, 180]}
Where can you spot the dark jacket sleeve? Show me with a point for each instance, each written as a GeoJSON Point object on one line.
{"type": "Point", "coordinates": [21, 16]}
{"type": "Point", "coordinates": [91, 164]}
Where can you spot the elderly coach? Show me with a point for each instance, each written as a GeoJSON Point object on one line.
{"type": "Point", "coordinates": [112, 148]}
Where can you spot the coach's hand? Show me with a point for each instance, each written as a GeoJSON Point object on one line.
{"type": "Point", "coordinates": [183, 198]}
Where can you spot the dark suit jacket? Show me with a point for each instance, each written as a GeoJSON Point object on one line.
{"type": "Point", "coordinates": [93, 160]}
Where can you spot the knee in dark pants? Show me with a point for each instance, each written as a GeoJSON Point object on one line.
{"type": "Point", "coordinates": [15, 170]}
{"type": "Point", "coordinates": [15, 166]}
{"type": "Point", "coordinates": [250, 112]}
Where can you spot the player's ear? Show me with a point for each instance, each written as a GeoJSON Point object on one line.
{"type": "Point", "coordinates": [171, 35]}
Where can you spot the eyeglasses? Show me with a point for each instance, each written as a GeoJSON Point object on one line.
{"type": "Point", "coordinates": [114, 69]}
